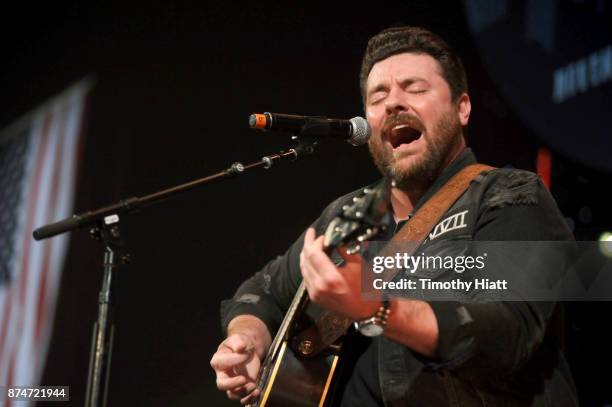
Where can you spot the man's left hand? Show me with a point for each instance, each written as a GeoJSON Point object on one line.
{"type": "Point", "coordinates": [335, 288]}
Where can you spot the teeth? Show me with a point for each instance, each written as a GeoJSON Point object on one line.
{"type": "Point", "coordinates": [400, 126]}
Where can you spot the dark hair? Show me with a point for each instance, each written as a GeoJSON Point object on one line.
{"type": "Point", "coordinates": [397, 40]}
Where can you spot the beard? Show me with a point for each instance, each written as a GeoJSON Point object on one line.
{"type": "Point", "coordinates": [422, 170]}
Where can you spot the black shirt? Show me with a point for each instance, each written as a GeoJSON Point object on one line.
{"type": "Point", "coordinates": [513, 344]}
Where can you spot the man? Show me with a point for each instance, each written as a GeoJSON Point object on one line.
{"type": "Point", "coordinates": [430, 353]}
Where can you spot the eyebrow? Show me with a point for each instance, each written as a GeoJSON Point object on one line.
{"type": "Point", "coordinates": [405, 82]}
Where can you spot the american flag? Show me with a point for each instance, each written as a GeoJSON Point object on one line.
{"type": "Point", "coordinates": [38, 156]}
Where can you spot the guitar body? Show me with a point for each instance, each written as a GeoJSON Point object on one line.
{"type": "Point", "coordinates": [294, 380]}
{"type": "Point", "coordinates": [289, 375]}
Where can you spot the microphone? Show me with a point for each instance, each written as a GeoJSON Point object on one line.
{"type": "Point", "coordinates": [355, 131]}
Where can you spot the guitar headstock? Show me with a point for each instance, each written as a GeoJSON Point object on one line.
{"type": "Point", "coordinates": [360, 220]}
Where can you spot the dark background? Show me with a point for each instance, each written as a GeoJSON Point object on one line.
{"type": "Point", "coordinates": [175, 84]}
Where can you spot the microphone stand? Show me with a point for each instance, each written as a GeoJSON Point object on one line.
{"type": "Point", "coordinates": [104, 223]}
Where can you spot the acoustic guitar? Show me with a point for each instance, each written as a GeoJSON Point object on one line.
{"type": "Point", "coordinates": [303, 363]}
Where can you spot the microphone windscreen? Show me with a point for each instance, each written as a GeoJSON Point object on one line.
{"type": "Point", "coordinates": [361, 131]}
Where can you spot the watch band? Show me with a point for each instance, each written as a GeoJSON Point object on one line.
{"type": "Point", "coordinates": [383, 313]}
{"type": "Point", "coordinates": [375, 325]}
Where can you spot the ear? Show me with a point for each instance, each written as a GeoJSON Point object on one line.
{"type": "Point", "coordinates": [464, 107]}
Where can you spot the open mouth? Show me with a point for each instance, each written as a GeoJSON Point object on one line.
{"type": "Point", "coordinates": [403, 134]}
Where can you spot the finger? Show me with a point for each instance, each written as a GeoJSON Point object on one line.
{"type": "Point", "coordinates": [233, 395]}
{"type": "Point", "coordinates": [251, 397]}
{"type": "Point", "coordinates": [302, 262]}
{"type": "Point", "coordinates": [311, 279]}
{"type": "Point", "coordinates": [318, 261]}
{"type": "Point", "coordinates": [246, 389]}
{"type": "Point", "coordinates": [313, 248]}
{"type": "Point", "coordinates": [244, 392]}
{"type": "Point", "coordinates": [309, 275]}
{"type": "Point", "coordinates": [224, 361]}
{"type": "Point", "coordinates": [229, 383]}
{"type": "Point", "coordinates": [236, 343]}
{"type": "Point", "coordinates": [312, 243]}
{"type": "Point", "coordinates": [309, 237]}
{"type": "Point", "coordinates": [319, 243]}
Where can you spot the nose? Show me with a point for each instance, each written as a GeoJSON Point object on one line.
{"type": "Point", "coordinates": [395, 103]}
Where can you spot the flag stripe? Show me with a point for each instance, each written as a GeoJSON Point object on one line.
{"type": "Point", "coordinates": [68, 176]}
{"type": "Point", "coordinates": [48, 178]}
{"type": "Point", "coordinates": [51, 209]}
{"type": "Point", "coordinates": [12, 306]}
{"type": "Point", "coordinates": [37, 275]}
{"type": "Point", "coordinates": [16, 307]}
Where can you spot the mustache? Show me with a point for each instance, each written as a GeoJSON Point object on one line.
{"type": "Point", "coordinates": [402, 118]}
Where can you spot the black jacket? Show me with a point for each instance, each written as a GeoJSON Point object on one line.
{"type": "Point", "coordinates": [497, 353]}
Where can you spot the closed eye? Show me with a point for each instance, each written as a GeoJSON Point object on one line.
{"type": "Point", "coordinates": [377, 97]}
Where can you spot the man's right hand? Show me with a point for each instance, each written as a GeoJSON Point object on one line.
{"type": "Point", "coordinates": [238, 358]}
{"type": "Point", "coordinates": [236, 365]}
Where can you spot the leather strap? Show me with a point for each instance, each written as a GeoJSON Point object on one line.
{"type": "Point", "coordinates": [423, 221]}
{"type": "Point", "coordinates": [329, 326]}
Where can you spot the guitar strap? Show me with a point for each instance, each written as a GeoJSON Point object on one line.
{"type": "Point", "coordinates": [329, 326]}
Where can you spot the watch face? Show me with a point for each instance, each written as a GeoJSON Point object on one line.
{"type": "Point", "coordinates": [370, 329]}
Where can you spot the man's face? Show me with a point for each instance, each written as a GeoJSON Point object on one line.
{"type": "Point", "coordinates": [416, 126]}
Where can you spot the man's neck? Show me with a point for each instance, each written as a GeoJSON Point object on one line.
{"type": "Point", "coordinates": [403, 200]}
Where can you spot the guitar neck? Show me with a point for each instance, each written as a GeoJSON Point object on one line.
{"type": "Point", "coordinates": [299, 302]}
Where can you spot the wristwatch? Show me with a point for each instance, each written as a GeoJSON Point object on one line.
{"type": "Point", "coordinates": [375, 325]}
